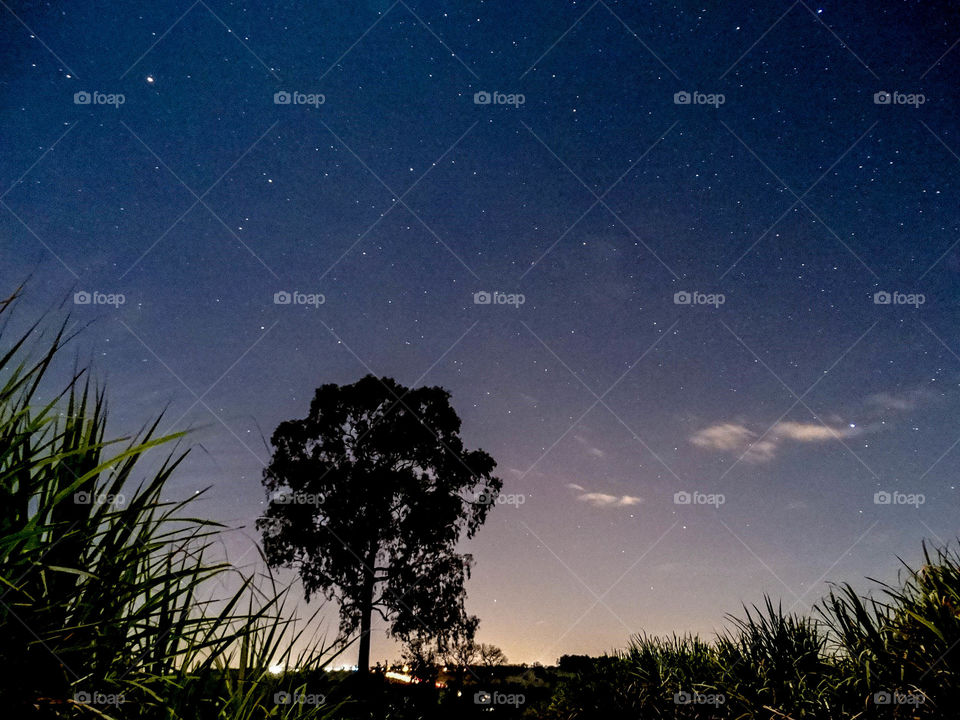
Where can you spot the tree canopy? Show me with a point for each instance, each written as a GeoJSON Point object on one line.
{"type": "Point", "coordinates": [369, 497]}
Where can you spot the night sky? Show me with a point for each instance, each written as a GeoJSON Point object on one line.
{"type": "Point", "coordinates": [783, 398]}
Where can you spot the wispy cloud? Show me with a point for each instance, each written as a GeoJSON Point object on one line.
{"type": "Point", "coordinates": [902, 400]}
{"type": "Point", "coordinates": [604, 500]}
{"type": "Point", "coordinates": [600, 499]}
{"type": "Point", "coordinates": [754, 446]}
{"type": "Point", "coordinates": [727, 436]}
{"type": "Point", "coordinates": [591, 449]}
{"type": "Point", "coordinates": [809, 432]}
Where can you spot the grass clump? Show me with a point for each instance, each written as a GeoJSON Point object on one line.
{"type": "Point", "coordinates": [892, 654]}
{"type": "Point", "coordinates": [107, 604]}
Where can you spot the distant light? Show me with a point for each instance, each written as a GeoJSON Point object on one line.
{"type": "Point", "coordinates": [150, 79]}
{"type": "Point", "coordinates": [276, 669]}
{"type": "Point", "coordinates": [401, 677]}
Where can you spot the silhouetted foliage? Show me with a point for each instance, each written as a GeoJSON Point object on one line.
{"type": "Point", "coordinates": [575, 663]}
{"type": "Point", "coordinates": [370, 494]}
{"type": "Point", "coordinates": [892, 655]}
{"type": "Point", "coordinates": [111, 606]}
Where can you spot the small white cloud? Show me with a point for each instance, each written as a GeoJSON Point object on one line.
{"type": "Point", "coordinates": [606, 500]}
{"type": "Point", "coordinates": [807, 432]}
{"type": "Point", "coordinates": [598, 499]}
{"type": "Point", "coordinates": [595, 451]}
{"type": "Point", "coordinates": [761, 451]}
{"type": "Point", "coordinates": [726, 436]}
{"type": "Point", "coordinates": [574, 486]}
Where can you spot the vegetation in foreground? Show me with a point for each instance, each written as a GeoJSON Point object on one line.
{"type": "Point", "coordinates": [105, 613]}
{"type": "Point", "coordinates": [105, 607]}
{"type": "Point", "coordinates": [888, 656]}
{"type": "Point", "coordinates": [891, 655]}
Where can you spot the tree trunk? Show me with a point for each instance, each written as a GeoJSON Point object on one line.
{"type": "Point", "coordinates": [366, 613]}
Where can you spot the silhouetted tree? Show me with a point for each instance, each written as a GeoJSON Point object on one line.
{"type": "Point", "coordinates": [421, 656]}
{"type": "Point", "coordinates": [575, 663]}
{"type": "Point", "coordinates": [462, 651]}
{"type": "Point", "coordinates": [464, 654]}
{"type": "Point", "coordinates": [491, 656]}
{"type": "Point", "coordinates": [370, 494]}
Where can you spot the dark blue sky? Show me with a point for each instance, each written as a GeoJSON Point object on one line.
{"type": "Point", "coordinates": [598, 199]}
